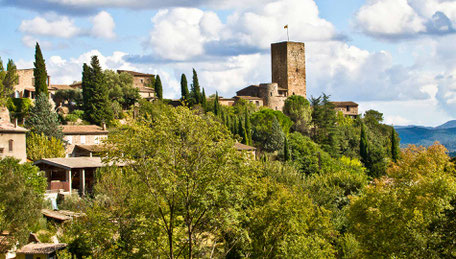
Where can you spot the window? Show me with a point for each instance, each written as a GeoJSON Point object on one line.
{"type": "Point", "coordinates": [10, 144]}
{"type": "Point", "coordinates": [348, 108]}
{"type": "Point", "coordinates": [83, 139]}
{"type": "Point", "coordinates": [70, 139]}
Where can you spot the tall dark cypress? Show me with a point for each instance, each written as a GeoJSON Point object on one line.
{"type": "Point", "coordinates": [248, 128]}
{"type": "Point", "coordinates": [184, 88]}
{"type": "Point", "coordinates": [394, 145]}
{"type": "Point", "coordinates": [216, 105]}
{"type": "Point", "coordinates": [196, 89]}
{"type": "Point", "coordinates": [286, 150]}
{"type": "Point", "coordinates": [39, 72]}
{"type": "Point", "coordinates": [363, 146]}
{"type": "Point", "coordinates": [158, 88]}
{"type": "Point", "coordinates": [204, 101]}
{"type": "Point", "coordinates": [97, 106]}
{"type": "Point", "coordinates": [242, 132]}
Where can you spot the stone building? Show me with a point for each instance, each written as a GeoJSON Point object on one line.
{"type": "Point", "coordinates": [141, 81]}
{"type": "Point", "coordinates": [81, 139]}
{"type": "Point", "coordinates": [12, 138]}
{"type": "Point", "coordinates": [347, 108]}
{"type": "Point", "coordinates": [25, 87]}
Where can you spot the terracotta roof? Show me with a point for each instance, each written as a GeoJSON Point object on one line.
{"type": "Point", "coordinates": [76, 84]}
{"type": "Point", "coordinates": [341, 104]}
{"type": "Point", "coordinates": [240, 147]}
{"type": "Point", "coordinates": [60, 87]}
{"type": "Point", "coordinates": [69, 163]}
{"type": "Point", "coordinates": [41, 248]}
{"type": "Point", "coordinates": [83, 129]}
{"type": "Point", "coordinates": [248, 97]}
{"type": "Point", "coordinates": [134, 73]}
{"type": "Point", "coordinates": [10, 127]}
{"type": "Point", "coordinates": [61, 215]}
{"type": "Point", "coordinates": [92, 148]}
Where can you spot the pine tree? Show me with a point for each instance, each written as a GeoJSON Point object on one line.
{"type": "Point", "coordinates": [158, 88]}
{"type": "Point", "coordinates": [363, 146]}
{"type": "Point", "coordinates": [394, 145]}
{"type": "Point", "coordinates": [184, 88]}
{"type": "Point", "coordinates": [286, 150]}
{"type": "Point", "coordinates": [248, 128]}
{"type": "Point", "coordinates": [43, 119]}
{"type": "Point", "coordinates": [39, 72]}
{"type": "Point", "coordinates": [9, 79]}
{"type": "Point", "coordinates": [97, 106]}
{"type": "Point", "coordinates": [196, 90]}
{"type": "Point", "coordinates": [204, 100]}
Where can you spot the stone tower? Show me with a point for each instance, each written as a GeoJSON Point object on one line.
{"type": "Point", "coordinates": [288, 60]}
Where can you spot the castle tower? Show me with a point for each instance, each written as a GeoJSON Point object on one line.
{"type": "Point", "coordinates": [288, 60]}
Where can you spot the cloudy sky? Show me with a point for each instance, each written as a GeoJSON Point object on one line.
{"type": "Point", "coordinates": [395, 56]}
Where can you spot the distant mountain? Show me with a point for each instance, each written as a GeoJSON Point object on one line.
{"type": "Point", "coordinates": [418, 135]}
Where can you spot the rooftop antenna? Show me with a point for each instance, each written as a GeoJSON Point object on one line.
{"type": "Point", "coordinates": [286, 27]}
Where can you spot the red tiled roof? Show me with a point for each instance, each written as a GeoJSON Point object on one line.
{"type": "Point", "coordinates": [41, 248]}
{"type": "Point", "coordinates": [240, 146]}
{"type": "Point", "coordinates": [343, 104]}
{"type": "Point", "coordinates": [83, 129]}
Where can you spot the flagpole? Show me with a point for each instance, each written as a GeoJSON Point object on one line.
{"type": "Point", "coordinates": [288, 36]}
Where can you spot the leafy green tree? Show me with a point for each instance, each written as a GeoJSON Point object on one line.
{"type": "Point", "coordinates": [97, 106]}
{"type": "Point", "coordinates": [121, 89]}
{"type": "Point", "coordinates": [19, 108]}
{"type": "Point", "coordinates": [307, 156]}
{"type": "Point", "coordinates": [324, 129]}
{"type": "Point", "coordinates": [21, 195]}
{"type": "Point", "coordinates": [396, 214]}
{"type": "Point", "coordinates": [72, 96]}
{"type": "Point", "coordinates": [195, 89]}
{"type": "Point", "coordinates": [40, 73]}
{"type": "Point", "coordinates": [40, 146]}
{"type": "Point", "coordinates": [9, 79]}
{"type": "Point", "coordinates": [297, 108]}
{"type": "Point", "coordinates": [158, 88]}
{"type": "Point", "coordinates": [43, 119]}
{"type": "Point", "coordinates": [269, 139]}
{"type": "Point", "coordinates": [263, 119]}
{"type": "Point", "coordinates": [185, 95]}
{"type": "Point", "coordinates": [248, 127]}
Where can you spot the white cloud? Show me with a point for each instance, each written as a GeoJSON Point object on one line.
{"type": "Point", "coordinates": [59, 27]}
{"type": "Point", "coordinates": [103, 26]}
{"type": "Point", "coordinates": [397, 19]}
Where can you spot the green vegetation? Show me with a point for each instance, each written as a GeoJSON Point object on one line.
{"type": "Point", "coordinates": [158, 88]}
{"type": "Point", "coordinates": [40, 73]}
{"type": "Point", "coordinates": [43, 120]}
{"type": "Point", "coordinates": [40, 146]}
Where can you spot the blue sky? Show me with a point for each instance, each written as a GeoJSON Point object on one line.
{"type": "Point", "coordinates": [396, 56]}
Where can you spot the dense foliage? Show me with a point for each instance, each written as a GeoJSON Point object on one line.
{"type": "Point", "coordinates": [43, 119]}
{"type": "Point", "coordinates": [40, 73]}
{"type": "Point", "coordinates": [40, 146]}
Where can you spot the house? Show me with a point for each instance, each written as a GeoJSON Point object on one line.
{"type": "Point", "coordinates": [39, 251]}
{"type": "Point", "coordinates": [245, 148]}
{"type": "Point", "coordinates": [70, 174]}
{"type": "Point", "coordinates": [349, 109]}
{"type": "Point", "coordinates": [12, 138]}
{"type": "Point", "coordinates": [25, 88]}
{"type": "Point", "coordinates": [83, 136]}
{"type": "Point", "coordinates": [142, 82]}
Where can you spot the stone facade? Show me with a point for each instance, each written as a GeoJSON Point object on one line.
{"type": "Point", "coordinates": [288, 62]}
{"type": "Point", "coordinates": [25, 87]}
{"type": "Point", "coordinates": [141, 81]}
{"type": "Point", "coordinates": [82, 135]}
{"type": "Point", "coordinates": [347, 108]}
{"type": "Point", "coordinates": [12, 138]}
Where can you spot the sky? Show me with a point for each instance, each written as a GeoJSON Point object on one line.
{"type": "Point", "coordinates": [394, 56]}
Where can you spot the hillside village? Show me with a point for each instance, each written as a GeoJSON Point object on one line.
{"type": "Point", "coordinates": [108, 168]}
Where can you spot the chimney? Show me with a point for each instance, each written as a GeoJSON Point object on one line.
{"type": "Point", "coordinates": [15, 123]}
{"type": "Point", "coordinates": [104, 126]}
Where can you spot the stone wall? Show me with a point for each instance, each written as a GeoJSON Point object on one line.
{"type": "Point", "coordinates": [288, 61]}
{"type": "Point", "coordinates": [17, 140]}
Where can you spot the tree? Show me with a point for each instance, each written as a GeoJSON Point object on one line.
{"type": "Point", "coordinates": [184, 88]}
{"type": "Point", "coordinates": [297, 108]}
{"type": "Point", "coordinates": [399, 214]}
{"type": "Point", "coordinates": [72, 96]}
{"type": "Point", "coordinates": [364, 146]}
{"type": "Point", "coordinates": [286, 150]}
{"type": "Point", "coordinates": [394, 145]}
{"type": "Point", "coordinates": [42, 118]}
{"type": "Point", "coordinates": [40, 146]}
{"type": "Point", "coordinates": [270, 139]}
{"type": "Point", "coordinates": [216, 105]}
{"type": "Point", "coordinates": [21, 195]}
{"type": "Point", "coordinates": [10, 79]}
{"type": "Point", "coordinates": [324, 118]}
{"type": "Point", "coordinates": [196, 89]}
{"type": "Point", "coordinates": [204, 100]}
{"type": "Point", "coordinates": [248, 127]}
{"type": "Point", "coordinates": [40, 73]}
{"type": "Point", "coordinates": [121, 89]}
{"type": "Point", "coordinates": [97, 106]}
{"type": "Point", "coordinates": [158, 88]}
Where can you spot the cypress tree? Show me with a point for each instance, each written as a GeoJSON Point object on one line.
{"type": "Point", "coordinates": [242, 132]}
{"type": "Point", "coordinates": [286, 150]}
{"type": "Point", "coordinates": [184, 88]}
{"type": "Point", "coordinates": [9, 79]}
{"type": "Point", "coordinates": [196, 90]}
{"type": "Point", "coordinates": [216, 105]}
{"type": "Point", "coordinates": [248, 128]}
{"type": "Point", "coordinates": [158, 88]}
{"type": "Point", "coordinates": [394, 145]}
{"type": "Point", "coordinates": [39, 72]}
{"type": "Point", "coordinates": [97, 106]}
{"type": "Point", "coordinates": [2, 77]}
{"type": "Point", "coordinates": [204, 100]}
{"type": "Point", "coordinates": [363, 146]}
